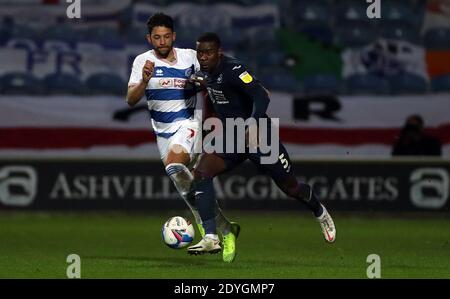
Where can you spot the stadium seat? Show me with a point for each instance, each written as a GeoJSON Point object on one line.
{"type": "Point", "coordinates": [437, 38]}
{"type": "Point", "coordinates": [271, 56]}
{"type": "Point", "coordinates": [353, 35]}
{"type": "Point", "coordinates": [186, 37]}
{"type": "Point", "coordinates": [186, 1]}
{"type": "Point", "coordinates": [402, 12]}
{"type": "Point", "coordinates": [157, 2]}
{"type": "Point", "coordinates": [280, 80]}
{"type": "Point", "coordinates": [25, 32]}
{"type": "Point", "coordinates": [64, 84]}
{"type": "Point", "coordinates": [137, 35]}
{"type": "Point", "coordinates": [103, 83]}
{"type": "Point", "coordinates": [232, 39]}
{"type": "Point", "coordinates": [318, 33]}
{"type": "Point", "coordinates": [321, 84]}
{"type": "Point", "coordinates": [441, 83]}
{"type": "Point", "coordinates": [313, 13]}
{"type": "Point", "coordinates": [407, 83]}
{"type": "Point", "coordinates": [108, 37]}
{"type": "Point", "coordinates": [21, 83]}
{"type": "Point", "coordinates": [61, 33]}
{"type": "Point", "coordinates": [366, 84]}
{"type": "Point", "coordinates": [5, 35]}
{"type": "Point", "coordinates": [395, 30]}
{"type": "Point", "coordinates": [350, 11]}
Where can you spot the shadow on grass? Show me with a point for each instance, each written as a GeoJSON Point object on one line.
{"type": "Point", "coordinates": [210, 261]}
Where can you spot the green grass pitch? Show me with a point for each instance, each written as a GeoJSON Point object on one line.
{"type": "Point", "coordinates": [271, 245]}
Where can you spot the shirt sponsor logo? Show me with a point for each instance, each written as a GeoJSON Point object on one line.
{"type": "Point", "coordinates": [172, 83]}
{"type": "Point", "coordinates": [217, 96]}
{"type": "Point", "coordinates": [166, 83]}
{"type": "Point", "coordinates": [179, 83]}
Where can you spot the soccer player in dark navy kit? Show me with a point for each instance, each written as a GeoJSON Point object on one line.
{"type": "Point", "coordinates": [235, 93]}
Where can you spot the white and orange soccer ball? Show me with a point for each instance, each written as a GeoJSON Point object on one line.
{"type": "Point", "coordinates": [178, 232]}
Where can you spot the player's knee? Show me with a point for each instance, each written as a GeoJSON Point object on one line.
{"type": "Point", "coordinates": [201, 175]}
{"type": "Point", "coordinates": [177, 155]}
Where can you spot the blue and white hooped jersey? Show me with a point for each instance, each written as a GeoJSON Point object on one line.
{"type": "Point", "coordinates": [169, 102]}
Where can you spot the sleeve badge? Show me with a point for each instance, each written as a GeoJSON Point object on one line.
{"type": "Point", "coordinates": [246, 77]}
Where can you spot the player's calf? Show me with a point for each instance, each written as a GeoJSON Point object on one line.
{"type": "Point", "coordinates": [182, 178]}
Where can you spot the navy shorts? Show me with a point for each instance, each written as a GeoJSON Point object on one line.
{"type": "Point", "coordinates": [278, 171]}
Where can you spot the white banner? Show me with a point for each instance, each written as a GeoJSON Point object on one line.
{"type": "Point", "coordinates": [105, 126]}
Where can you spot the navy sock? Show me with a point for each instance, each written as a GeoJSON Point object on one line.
{"type": "Point", "coordinates": [306, 195]}
{"type": "Point", "coordinates": [210, 226]}
{"type": "Point", "coordinates": [317, 207]}
{"type": "Point", "coordinates": [205, 203]}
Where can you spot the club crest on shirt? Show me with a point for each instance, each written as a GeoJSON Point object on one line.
{"type": "Point", "coordinates": [220, 79]}
{"type": "Point", "coordinates": [246, 77]}
{"type": "Point", "coordinates": [188, 72]}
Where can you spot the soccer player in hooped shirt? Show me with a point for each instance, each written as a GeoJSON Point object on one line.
{"type": "Point", "coordinates": [161, 74]}
{"type": "Point", "coordinates": [235, 93]}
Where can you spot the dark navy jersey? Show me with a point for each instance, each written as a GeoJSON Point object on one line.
{"type": "Point", "coordinates": [235, 92]}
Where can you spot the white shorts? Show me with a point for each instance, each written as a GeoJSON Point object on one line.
{"type": "Point", "coordinates": [188, 136]}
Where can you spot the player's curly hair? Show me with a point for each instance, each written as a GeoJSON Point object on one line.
{"type": "Point", "coordinates": [159, 19]}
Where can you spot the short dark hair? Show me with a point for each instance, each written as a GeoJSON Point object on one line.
{"type": "Point", "coordinates": [210, 37]}
{"type": "Point", "coordinates": [159, 19]}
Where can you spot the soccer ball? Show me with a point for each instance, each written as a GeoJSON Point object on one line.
{"type": "Point", "coordinates": [178, 232]}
